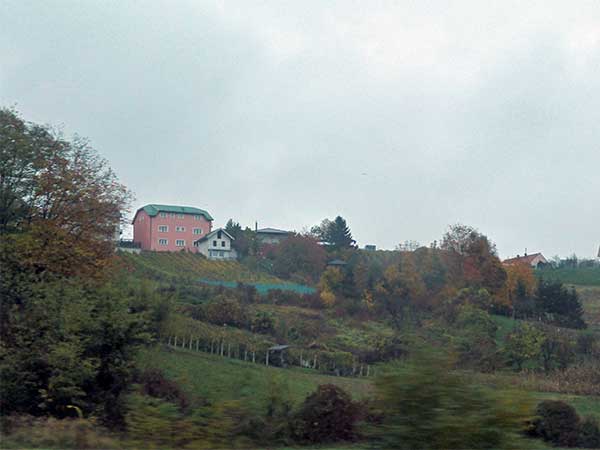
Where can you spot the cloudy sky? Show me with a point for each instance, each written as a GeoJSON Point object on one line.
{"type": "Point", "coordinates": [401, 116]}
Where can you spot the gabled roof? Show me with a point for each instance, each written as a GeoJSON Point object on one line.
{"type": "Point", "coordinates": [527, 259]}
{"type": "Point", "coordinates": [153, 209]}
{"type": "Point", "coordinates": [272, 231]}
{"type": "Point", "coordinates": [212, 233]}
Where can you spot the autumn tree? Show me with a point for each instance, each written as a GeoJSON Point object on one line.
{"type": "Point", "coordinates": [299, 256]}
{"type": "Point", "coordinates": [399, 292]}
{"type": "Point", "coordinates": [473, 259]}
{"type": "Point", "coordinates": [519, 288]}
{"type": "Point", "coordinates": [60, 202]}
{"type": "Point", "coordinates": [68, 334]}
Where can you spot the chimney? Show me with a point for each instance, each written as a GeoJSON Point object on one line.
{"type": "Point", "coordinates": [256, 226]}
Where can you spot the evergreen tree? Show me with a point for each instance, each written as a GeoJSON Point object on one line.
{"type": "Point", "coordinates": [337, 233]}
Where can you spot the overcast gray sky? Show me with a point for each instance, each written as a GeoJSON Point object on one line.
{"type": "Point", "coordinates": [401, 116]}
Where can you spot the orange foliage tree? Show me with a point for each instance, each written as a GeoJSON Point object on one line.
{"type": "Point", "coordinates": [60, 203]}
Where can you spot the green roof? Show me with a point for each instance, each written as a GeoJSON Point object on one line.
{"type": "Point", "coordinates": [152, 210]}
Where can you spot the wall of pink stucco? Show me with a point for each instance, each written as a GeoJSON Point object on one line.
{"type": "Point", "coordinates": [146, 231]}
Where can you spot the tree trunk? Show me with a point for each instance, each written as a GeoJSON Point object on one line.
{"type": "Point", "coordinates": [267, 359]}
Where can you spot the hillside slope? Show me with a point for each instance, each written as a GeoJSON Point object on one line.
{"type": "Point", "coordinates": [166, 265]}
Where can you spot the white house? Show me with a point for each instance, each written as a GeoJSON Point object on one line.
{"type": "Point", "coordinates": [216, 245]}
{"type": "Point", "coordinates": [534, 260]}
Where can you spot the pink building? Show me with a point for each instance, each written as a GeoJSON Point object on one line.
{"type": "Point", "coordinates": [165, 228]}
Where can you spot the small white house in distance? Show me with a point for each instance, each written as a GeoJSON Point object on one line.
{"type": "Point", "coordinates": [271, 235]}
{"type": "Point", "coordinates": [216, 245]}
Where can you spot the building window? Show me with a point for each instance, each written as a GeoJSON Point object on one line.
{"type": "Point", "coordinates": [180, 229]}
{"type": "Point", "coordinates": [163, 242]}
{"type": "Point", "coordinates": [163, 228]}
{"type": "Point", "coordinates": [197, 230]}
{"type": "Point", "coordinates": [171, 215]}
{"type": "Point", "coordinates": [163, 215]}
{"type": "Point", "coordinates": [196, 217]}
{"type": "Point", "coordinates": [219, 234]}
{"type": "Point", "coordinates": [180, 243]}
{"type": "Point", "coordinates": [180, 216]}
{"type": "Point", "coordinates": [221, 254]}
{"type": "Point", "coordinates": [222, 243]}
{"type": "Point", "coordinates": [141, 218]}
{"type": "Point", "coordinates": [214, 243]}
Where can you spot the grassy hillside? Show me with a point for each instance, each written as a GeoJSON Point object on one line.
{"type": "Point", "coordinates": [216, 378]}
{"type": "Point", "coordinates": [590, 299]}
{"type": "Point", "coordinates": [582, 276]}
{"type": "Point", "coordinates": [166, 265]}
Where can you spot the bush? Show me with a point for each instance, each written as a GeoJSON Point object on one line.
{"type": "Point", "coordinates": [425, 405]}
{"type": "Point", "coordinates": [263, 323]}
{"type": "Point", "coordinates": [589, 433]}
{"type": "Point", "coordinates": [223, 311]}
{"type": "Point", "coordinates": [557, 422]}
{"type": "Point", "coordinates": [327, 415]}
{"type": "Point", "coordinates": [30, 432]}
{"type": "Point", "coordinates": [154, 384]}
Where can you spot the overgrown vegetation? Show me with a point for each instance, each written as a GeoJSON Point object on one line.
{"type": "Point", "coordinates": [105, 350]}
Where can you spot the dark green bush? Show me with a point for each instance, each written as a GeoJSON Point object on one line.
{"type": "Point", "coordinates": [424, 405]}
{"type": "Point", "coordinates": [154, 384]}
{"type": "Point", "coordinates": [327, 415]}
{"type": "Point", "coordinates": [589, 433]}
{"type": "Point", "coordinates": [557, 422]}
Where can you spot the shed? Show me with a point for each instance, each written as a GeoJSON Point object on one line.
{"type": "Point", "coordinates": [278, 352]}
{"type": "Point", "coordinates": [337, 263]}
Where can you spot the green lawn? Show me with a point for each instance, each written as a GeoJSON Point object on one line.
{"type": "Point", "coordinates": [216, 378]}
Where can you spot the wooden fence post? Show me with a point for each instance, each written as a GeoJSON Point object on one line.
{"type": "Point", "coordinates": [267, 360]}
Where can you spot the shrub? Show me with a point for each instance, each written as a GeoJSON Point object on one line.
{"type": "Point", "coordinates": [156, 385]}
{"type": "Point", "coordinates": [263, 323]}
{"type": "Point", "coordinates": [224, 311]}
{"type": "Point", "coordinates": [557, 422]}
{"type": "Point", "coordinates": [425, 405]}
{"type": "Point", "coordinates": [327, 415]}
{"type": "Point", "coordinates": [589, 433]}
{"type": "Point", "coordinates": [29, 432]}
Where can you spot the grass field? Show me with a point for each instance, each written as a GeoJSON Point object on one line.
{"type": "Point", "coordinates": [216, 378]}
{"type": "Point", "coordinates": [581, 276]}
{"type": "Point", "coordinates": [590, 299]}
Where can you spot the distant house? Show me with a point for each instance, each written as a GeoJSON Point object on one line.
{"type": "Point", "coordinates": [216, 245]}
{"type": "Point", "coordinates": [168, 228]}
{"type": "Point", "coordinates": [271, 235]}
{"type": "Point", "coordinates": [337, 263]}
{"type": "Point", "coordinates": [370, 247]}
{"type": "Point", "coordinates": [533, 260]}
